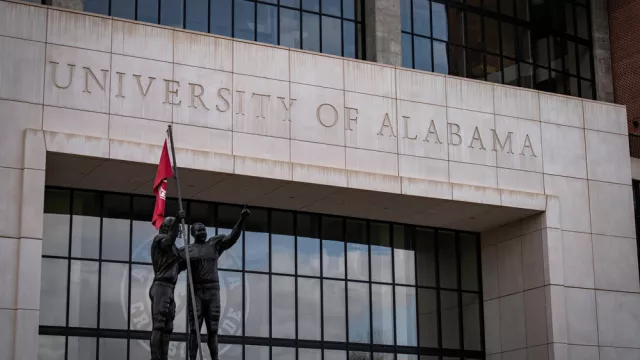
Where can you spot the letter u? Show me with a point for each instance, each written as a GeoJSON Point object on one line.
{"type": "Point", "coordinates": [55, 71]}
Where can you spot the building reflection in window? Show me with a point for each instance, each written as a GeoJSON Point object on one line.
{"type": "Point", "coordinates": [293, 279]}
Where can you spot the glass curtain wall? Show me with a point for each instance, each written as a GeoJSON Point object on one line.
{"type": "Point", "coordinates": [296, 286]}
{"type": "Point", "coordinates": [539, 44]}
{"type": "Point", "coordinates": [329, 26]}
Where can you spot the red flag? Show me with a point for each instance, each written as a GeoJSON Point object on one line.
{"type": "Point", "coordinates": [160, 186]}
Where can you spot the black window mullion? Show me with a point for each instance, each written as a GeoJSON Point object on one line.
{"type": "Point", "coordinates": [66, 323]}
{"type": "Point", "coordinates": [130, 272]}
{"type": "Point", "coordinates": [320, 219]}
{"type": "Point", "coordinates": [459, 292]}
{"type": "Point", "coordinates": [478, 247]}
{"type": "Point", "coordinates": [100, 272]}
{"type": "Point", "coordinates": [393, 282]}
{"type": "Point", "coordinates": [346, 275]}
{"type": "Point", "coordinates": [270, 276]}
{"type": "Point", "coordinates": [369, 253]}
{"type": "Point", "coordinates": [436, 251]}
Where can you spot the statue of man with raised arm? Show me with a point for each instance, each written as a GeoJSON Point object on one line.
{"type": "Point", "coordinates": [167, 264]}
{"type": "Point", "coordinates": [204, 255]}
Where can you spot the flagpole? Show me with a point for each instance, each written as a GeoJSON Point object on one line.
{"type": "Point", "coordinates": [186, 245]}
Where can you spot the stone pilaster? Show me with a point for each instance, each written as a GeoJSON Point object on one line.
{"type": "Point", "coordinates": [382, 27]}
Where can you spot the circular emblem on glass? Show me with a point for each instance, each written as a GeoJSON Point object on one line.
{"type": "Point", "coordinates": [231, 319]}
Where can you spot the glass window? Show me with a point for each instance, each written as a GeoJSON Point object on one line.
{"type": "Point", "coordinates": [85, 224]}
{"type": "Point", "coordinates": [447, 259]}
{"type": "Point", "coordinates": [267, 30]}
{"type": "Point", "coordinates": [382, 314]}
{"type": "Point", "coordinates": [331, 37]}
{"type": "Point", "coordinates": [231, 289]}
{"type": "Point", "coordinates": [244, 24]}
{"type": "Point", "coordinates": [582, 22]}
{"type": "Point", "coordinates": [53, 288]}
{"type": "Point", "coordinates": [290, 28]}
{"type": "Point", "coordinates": [258, 296]}
{"type": "Point", "coordinates": [510, 71]}
{"type": "Point", "coordinates": [421, 17]}
{"type": "Point", "coordinates": [506, 7]}
{"type": "Point", "coordinates": [171, 12]}
{"type": "Point", "coordinates": [457, 62]}
{"type": "Point", "coordinates": [475, 64]}
{"type": "Point", "coordinates": [349, 9]}
{"type": "Point", "coordinates": [356, 283]}
{"type": "Point", "coordinates": [331, 7]}
{"type": "Point", "coordinates": [407, 51]}
{"type": "Point", "coordinates": [357, 250]}
{"type": "Point", "coordinates": [422, 53]}
{"type": "Point", "coordinates": [56, 223]}
{"type": "Point", "coordinates": [113, 349]}
{"type": "Point", "coordinates": [310, 32]}
{"type": "Point", "coordinates": [81, 348]}
{"type": "Point", "coordinates": [333, 297]}
{"type": "Point", "coordinates": [256, 238]}
{"type": "Point", "coordinates": [494, 69]}
{"type": "Point", "coordinates": [428, 317]}
{"type": "Point", "coordinates": [148, 11]}
{"type": "Point", "coordinates": [440, 27]}
{"type": "Point", "coordinates": [492, 35]}
{"type": "Point", "coordinates": [381, 269]}
{"type": "Point", "coordinates": [349, 39]}
{"type": "Point", "coordinates": [333, 259]}
{"type": "Point", "coordinates": [508, 39]}
{"type": "Point", "coordinates": [406, 327]}
{"type": "Point", "coordinates": [283, 257]}
{"type": "Point", "coordinates": [221, 16]}
{"type": "Point", "coordinates": [196, 13]}
{"type": "Point", "coordinates": [311, 5]}
{"type": "Point", "coordinates": [309, 309]}
{"type": "Point", "coordinates": [474, 31]}
{"type": "Point", "coordinates": [405, 15]}
{"type": "Point", "coordinates": [404, 255]}
{"type": "Point", "coordinates": [283, 307]}
{"type": "Point", "coordinates": [115, 277]}
{"type": "Point", "coordinates": [359, 321]}
{"type": "Point", "coordinates": [449, 319]}
{"type": "Point", "coordinates": [97, 6]}
{"type": "Point", "coordinates": [526, 75]}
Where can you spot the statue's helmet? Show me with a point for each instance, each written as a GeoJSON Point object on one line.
{"type": "Point", "coordinates": [166, 224]}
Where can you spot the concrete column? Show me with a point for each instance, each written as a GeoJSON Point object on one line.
{"type": "Point", "coordinates": [67, 4]}
{"type": "Point", "coordinates": [601, 50]}
{"type": "Point", "coordinates": [382, 26]}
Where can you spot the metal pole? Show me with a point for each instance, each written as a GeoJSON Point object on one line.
{"type": "Point", "coordinates": [186, 246]}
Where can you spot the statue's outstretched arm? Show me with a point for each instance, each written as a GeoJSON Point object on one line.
{"type": "Point", "coordinates": [229, 240]}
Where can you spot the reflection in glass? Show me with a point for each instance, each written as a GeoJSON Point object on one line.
{"type": "Point", "coordinates": [111, 349]}
{"type": "Point", "coordinates": [81, 348]}
{"type": "Point", "coordinates": [331, 7]}
{"type": "Point", "coordinates": [405, 15]}
{"type": "Point", "coordinates": [55, 234]}
{"type": "Point", "coordinates": [333, 298]}
{"type": "Point", "coordinates": [349, 39]}
{"type": "Point", "coordinates": [309, 354]}
{"type": "Point", "coordinates": [410, 357]}
{"type": "Point", "coordinates": [196, 15]}
{"type": "Point", "coordinates": [381, 269]}
{"type": "Point", "coordinates": [349, 9]}
{"type": "Point", "coordinates": [407, 51]}
{"type": "Point", "coordinates": [331, 36]}
{"type": "Point", "coordinates": [283, 353]}
{"type": "Point", "coordinates": [148, 11]}
{"type": "Point", "coordinates": [457, 61]}
{"type": "Point", "coordinates": [404, 255]}
{"type": "Point", "coordinates": [359, 322]}
{"type": "Point", "coordinates": [440, 57]}
{"type": "Point", "coordinates": [83, 294]}
{"type": "Point", "coordinates": [256, 240]}
{"type": "Point", "coordinates": [256, 352]}
{"type": "Point", "coordinates": [584, 58]}
{"type": "Point", "coordinates": [283, 254]}
{"type": "Point", "coordinates": [290, 28]}
{"type": "Point", "coordinates": [383, 356]}
{"type": "Point", "coordinates": [428, 317]}
{"type": "Point", "coordinates": [333, 260]}
{"type": "Point", "coordinates": [50, 347]}
{"type": "Point", "coordinates": [309, 309]}
{"type": "Point", "coordinates": [425, 242]}
{"type": "Point", "coordinates": [421, 17]}
{"type": "Point", "coordinates": [244, 24]}
{"type": "Point", "coordinates": [258, 296]}
{"type": "Point", "coordinates": [449, 319]}
{"type": "Point", "coordinates": [422, 53]}
{"type": "Point", "coordinates": [141, 280]}
{"type": "Point", "coordinates": [335, 355]}
{"type": "Point", "coordinates": [230, 352]}
{"type": "Point", "coordinates": [310, 32]}
{"type": "Point", "coordinates": [357, 250]}
{"type": "Point", "coordinates": [382, 314]}
{"type": "Point", "coordinates": [508, 39]}
{"type": "Point", "coordinates": [114, 284]}
{"type": "Point", "coordinates": [171, 12]}
{"type": "Point", "coordinates": [267, 24]}
{"type": "Point", "coordinates": [96, 6]}
{"type": "Point", "coordinates": [494, 73]}
{"type": "Point", "coordinates": [474, 30]}
{"type": "Point", "coordinates": [54, 278]}
{"type": "Point", "coordinates": [492, 35]}
{"type": "Point", "coordinates": [115, 239]}
{"type": "Point", "coordinates": [291, 3]}
{"type": "Point", "coordinates": [439, 16]}
{"type": "Point", "coordinates": [85, 236]}
{"type": "Point", "coordinates": [447, 259]}
{"type": "Point", "coordinates": [311, 5]}
{"type": "Point", "coordinates": [283, 306]}
{"type": "Point", "coordinates": [356, 355]}
{"type": "Point", "coordinates": [468, 262]}
{"type": "Point", "coordinates": [406, 327]}
{"type": "Point", "coordinates": [142, 236]}
{"type": "Point", "coordinates": [471, 320]}
{"type": "Point", "coordinates": [308, 245]}
{"type": "Point", "coordinates": [231, 315]}
{"type": "Point", "coordinates": [221, 17]}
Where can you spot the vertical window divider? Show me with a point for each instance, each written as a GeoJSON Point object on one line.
{"type": "Point", "coordinates": [436, 250]}
{"type": "Point", "coordinates": [321, 50]}
{"type": "Point", "coordinates": [459, 292]}
{"type": "Point", "coordinates": [270, 279]}
{"type": "Point", "coordinates": [295, 274]}
{"type": "Point", "coordinates": [393, 282]}
{"type": "Point", "coordinates": [130, 266]}
{"type": "Point", "coordinates": [320, 236]}
{"type": "Point", "coordinates": [346, 281]}
{"type": "Point", "coordinates": [478, 246]}
{"type": "Point", "coordinates": [66, 343]}
{"type": "Point", "coordinates": [369, 252]}
{"type": "Point", "coordinates": [244, 294]}
{"type": "Point", "coordinates": [342, 48]}
{"type": "Point", "coordinates": [414, 239]}
{"type": "Point", "coordinates": [102, 195]}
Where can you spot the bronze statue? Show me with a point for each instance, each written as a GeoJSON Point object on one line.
{"type": "Point", "coordinates": [167, 264]}
{"type": "Point", "coordinates": [204, 255]}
